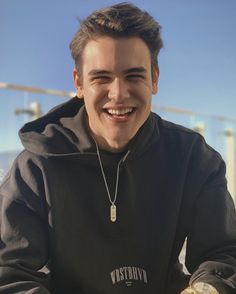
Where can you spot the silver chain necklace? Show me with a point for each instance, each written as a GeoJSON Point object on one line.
{"type": "Point", "coordinates": [113, 212]}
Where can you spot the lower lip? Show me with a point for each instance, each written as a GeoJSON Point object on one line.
{"type": "Point", "coordinates": [121, 119]}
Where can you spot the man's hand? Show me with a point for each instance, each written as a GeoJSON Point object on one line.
{"type": "Point", "coordinates": [189, 291]}
{"type": "Point", "coordinates": [200, 288]}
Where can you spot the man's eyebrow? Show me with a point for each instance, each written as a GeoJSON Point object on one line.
{"type": "Point", "coordinates": [135, 69]}
{"type": "Point", "coordinates": [98, 72]}
{"type": "Point", "coordinates": [140, 69]}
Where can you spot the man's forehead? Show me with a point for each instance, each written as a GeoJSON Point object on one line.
{"type": "Point", "coordinates": [123, 55]}
{"type": "Point", "coordinates": [106, 45]}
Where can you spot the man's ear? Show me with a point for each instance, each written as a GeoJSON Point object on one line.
{"type": "Point", "coordinates": [155, 78]}
{"type": "Point", "coordinates": [78, 84]}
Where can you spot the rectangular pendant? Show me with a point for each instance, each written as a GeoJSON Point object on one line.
{"type": "Point", "coordinates": [113, 213]}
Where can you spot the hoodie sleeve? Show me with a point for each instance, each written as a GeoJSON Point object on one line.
{"type": "Point", "coordinates": [23, 235]}
{"type": "Point", "coordinates": [211, 242]}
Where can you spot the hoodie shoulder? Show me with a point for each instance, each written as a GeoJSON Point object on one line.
{"type": "Point", "coordinates": [47, 135]}
{"type": "Point", "coordinates": [180, 134]}
{"type": "Point", "coordinates": [66, 109]}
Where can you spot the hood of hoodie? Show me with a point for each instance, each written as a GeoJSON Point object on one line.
{"type": "Point", "coordinates": [63, 131]}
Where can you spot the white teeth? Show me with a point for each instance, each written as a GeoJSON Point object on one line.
{"type": "Point", "coordinates": [119, 111]}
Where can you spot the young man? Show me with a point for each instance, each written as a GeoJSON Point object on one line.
{"type": "Point", "coordinates": [106, 192]}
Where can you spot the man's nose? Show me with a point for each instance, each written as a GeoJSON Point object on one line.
{"type": "Point", "coordinates": [118, 90]}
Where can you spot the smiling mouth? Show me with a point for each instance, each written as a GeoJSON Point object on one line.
{"type": "Point", "coordinates": [121, 112]}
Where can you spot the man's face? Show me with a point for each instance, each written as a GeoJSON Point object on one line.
{"type": "Point", "coordinates": [117, 88]}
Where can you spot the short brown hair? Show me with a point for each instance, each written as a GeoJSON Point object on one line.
{"type": "Point", "coordinates": [120, 20]}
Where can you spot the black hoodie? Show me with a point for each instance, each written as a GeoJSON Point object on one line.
{"type": "Point", "coordinates": [55, 212]}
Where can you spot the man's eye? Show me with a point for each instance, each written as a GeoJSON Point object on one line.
{"type": "Point", "coordinates": [135, 76]}
{"type": "Point", "coordinates": [100, 79]}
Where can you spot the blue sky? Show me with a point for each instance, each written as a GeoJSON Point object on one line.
{"type": "Point", "coordinates": [197, 64]}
